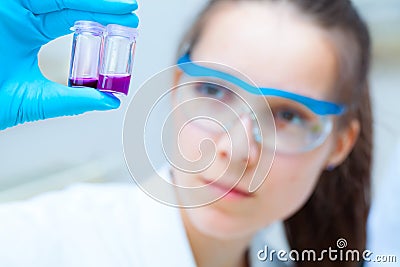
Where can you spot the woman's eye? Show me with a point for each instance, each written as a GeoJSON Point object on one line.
{"type": "Point", "coordinates": [212, 90]}
{"type": "Point", "coordinates": [289, 116]}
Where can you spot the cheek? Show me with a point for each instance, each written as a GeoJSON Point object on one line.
{"type": "Point", "coordinates": [291, 182]}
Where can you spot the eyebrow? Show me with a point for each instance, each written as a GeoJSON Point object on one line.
{"type": "Point", "coordinates": [319, 107]}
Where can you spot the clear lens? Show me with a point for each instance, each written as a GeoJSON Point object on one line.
{"type": "Point", "coordinates": [215, 106]}
{"type": "Point", "coordinates": [298, 129]}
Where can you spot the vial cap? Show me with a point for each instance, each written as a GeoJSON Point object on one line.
{"type": "Point", "coordinates": [88, 26]}
{"type": "Point", "coordinates": [119, 30]}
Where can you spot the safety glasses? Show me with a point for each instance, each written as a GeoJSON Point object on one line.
{"type": "Point", "coordinates": [300, 123]}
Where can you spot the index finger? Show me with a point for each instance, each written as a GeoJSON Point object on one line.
{"type": "Point", "coordinates": [99, 6]}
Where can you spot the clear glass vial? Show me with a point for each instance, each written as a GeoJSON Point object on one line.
{"type": "Point", "coordinates": [85, 59]}
{"type": "Point", "coordinates": [117, 59]}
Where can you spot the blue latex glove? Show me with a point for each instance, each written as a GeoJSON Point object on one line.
{"type": "Point", "coordinates": [26, 25]}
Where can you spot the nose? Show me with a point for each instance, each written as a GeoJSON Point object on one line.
{"type": "Point", "coordinates": [239, 144]}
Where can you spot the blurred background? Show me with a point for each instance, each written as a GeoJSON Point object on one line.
{"type": "Point", "coordinates": [52, 154]}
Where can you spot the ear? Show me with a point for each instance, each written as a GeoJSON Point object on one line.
{"type": "Point", "coordinates": [343, 144]}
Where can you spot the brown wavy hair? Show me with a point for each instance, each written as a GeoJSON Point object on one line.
{"type": "Point", "coordinates": [339, 206]}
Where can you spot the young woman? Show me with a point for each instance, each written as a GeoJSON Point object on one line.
{"type": "Point", "coordinates": [317, 49]}
{"type": "Point", "coordinates": [310, 62]}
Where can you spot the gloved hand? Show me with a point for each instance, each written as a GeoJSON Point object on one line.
{"type": "Point", "coordinates": [26, 25]}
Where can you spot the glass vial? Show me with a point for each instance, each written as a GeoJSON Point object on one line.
{"type": "Point", "coordinates": [85, 59]}
{"type": "Point", "coordinates": [117, 59]}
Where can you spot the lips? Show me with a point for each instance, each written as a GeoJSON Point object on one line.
{"type": "Point", "coordinates": [226, 190]}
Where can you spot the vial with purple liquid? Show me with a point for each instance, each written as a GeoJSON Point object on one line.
{"type": "Point", "coordinates": [85, 58]}
{"type": "Point", "coordinates": [117, 59]}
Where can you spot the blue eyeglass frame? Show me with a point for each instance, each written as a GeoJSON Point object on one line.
{"type": "Point", "coordinates": [319, 107]}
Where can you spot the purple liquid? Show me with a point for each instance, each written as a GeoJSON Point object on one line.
{"type": "Point", "coordinates": [87, 82]}
{"type": "Point", "coordinates": [114, 83]}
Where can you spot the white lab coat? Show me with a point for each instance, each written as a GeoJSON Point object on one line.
{"type": "Point", "coordinates": [98, 225]}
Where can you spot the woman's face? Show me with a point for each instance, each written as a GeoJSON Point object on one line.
{"type": "Point", "coordinates": [276, 47]}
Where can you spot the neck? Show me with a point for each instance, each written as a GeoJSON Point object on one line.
{"type": "Point", "coordinates": [212, 252]}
